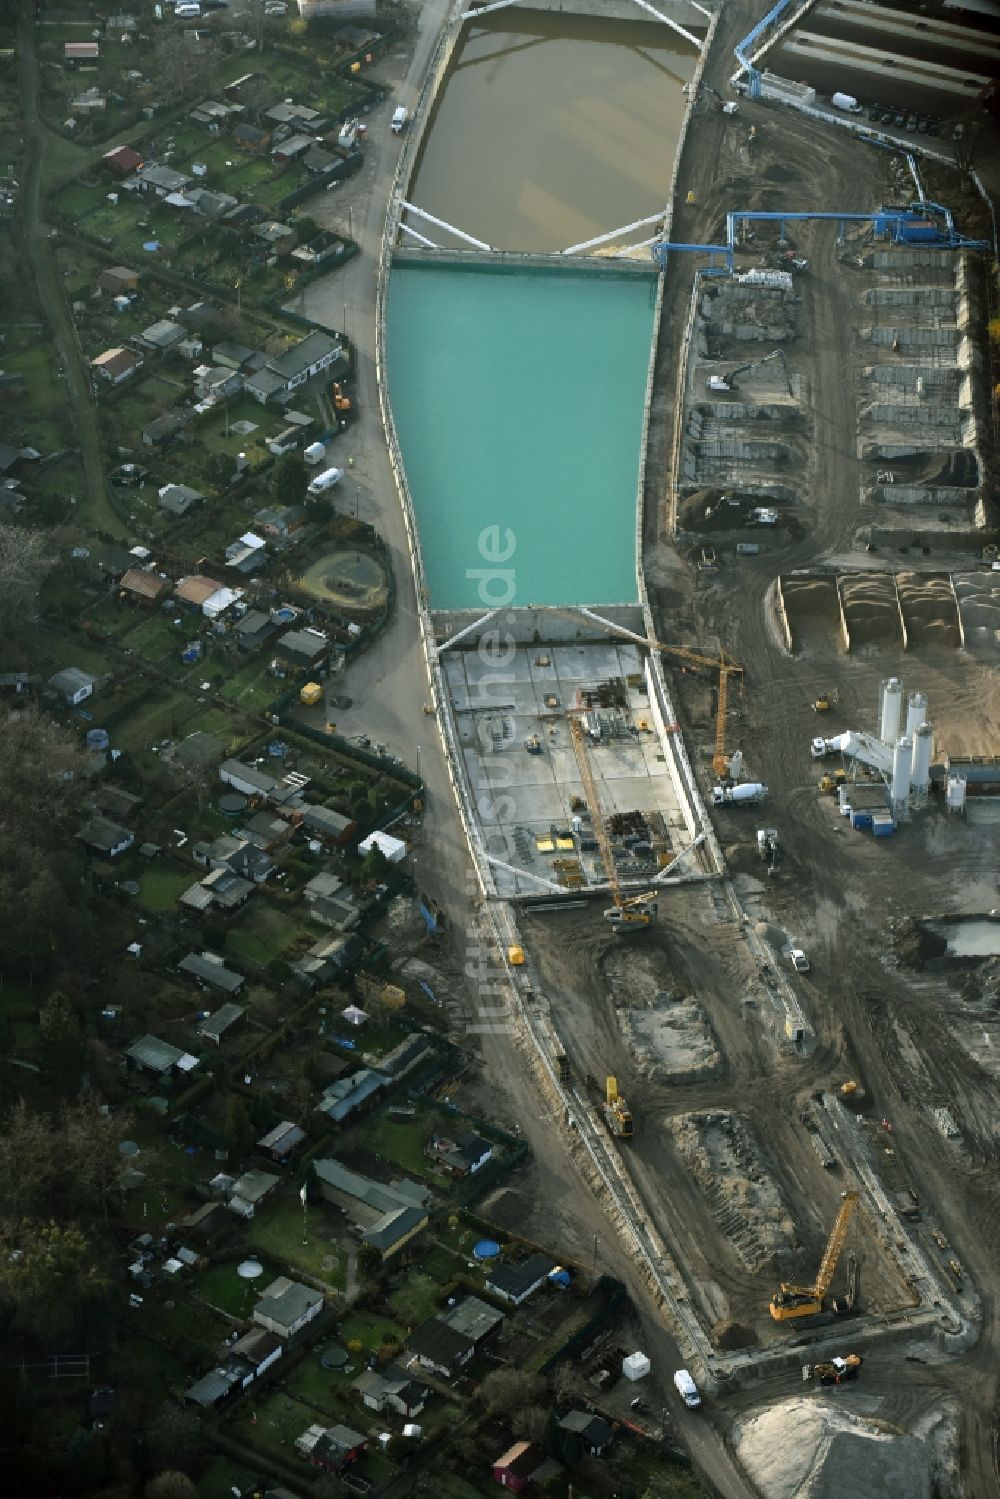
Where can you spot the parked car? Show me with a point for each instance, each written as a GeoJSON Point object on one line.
{"type": "Point", "coordinates": [798, 960]}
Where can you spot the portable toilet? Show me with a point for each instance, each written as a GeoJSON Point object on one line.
{"type": "Point", "coordinates": [310, 694]}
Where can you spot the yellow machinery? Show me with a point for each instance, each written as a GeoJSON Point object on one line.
{"type": "Point", "coordinates": [829, 783]}
{"type": "Point", "coordinates": [806, 1301]}
{"type": "Point", "coordinates": [726, 669]}
{"type": "Point", "coordinates": [838, 1370]}
{"type": "Point", "coordinates": [630, 914]}
{"type": "Point", "coordinates": [616, 1111]}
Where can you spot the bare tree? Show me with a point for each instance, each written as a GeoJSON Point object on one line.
{"type": "Point", "coordinates": [179, 66]}
{"type": "Point", "coordinates": [40, 766]}
{"type": "Point", "coordinates": [504, 1392]}
{"type": "Point", "coordinates": [530, 1423]}
{"type": "Point", "coordinates": [25, 558]}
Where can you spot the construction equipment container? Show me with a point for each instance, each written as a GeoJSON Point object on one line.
{"type": "Point", "coordinates": [310, 694]}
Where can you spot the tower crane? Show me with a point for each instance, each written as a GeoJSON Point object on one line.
{"type": "Point", "coordinates": [628, 914]}
{"type": "Point", "coordinates": [726, 668]}
{"type": "Point", "coordinates": [806, 1301]}
{"type": "Point", "coordinates": [726, 382]}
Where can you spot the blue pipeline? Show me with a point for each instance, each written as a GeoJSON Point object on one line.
{"type": "Point", "coordinates": [900, 225]}
{"type": "Point", "coordinates": [742, 48]}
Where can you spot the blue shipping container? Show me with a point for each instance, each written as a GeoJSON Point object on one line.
{"type": "Point", "coordinates": [861, 820]}
{"type": "Point", "coordinates": [883, 827]}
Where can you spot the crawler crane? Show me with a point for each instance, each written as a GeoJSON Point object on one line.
{"type": "Point", "coordinates": [726, 383]}
{"type": "Point", "coordinates": [628, 914]}
{"type": "Point", "coordinates": [807, 1301]}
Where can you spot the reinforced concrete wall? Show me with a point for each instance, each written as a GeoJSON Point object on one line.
{"type": "Point", "coordinates": [682, 11]}
{"type": "Point", "coordinates": [550, 625]}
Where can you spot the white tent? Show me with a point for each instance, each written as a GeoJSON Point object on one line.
{"type": "Point", "coordinates": [354, 1016]}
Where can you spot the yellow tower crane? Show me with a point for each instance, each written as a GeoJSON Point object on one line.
{"type": "Point", "coordinates": [806, 1301]}
{"type": "Point", "coordinates": [628, 914]}
{"type": "Point", "coordinates": [726, 669]}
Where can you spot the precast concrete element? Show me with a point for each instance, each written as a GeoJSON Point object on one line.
{"type": "Point", "coordinates": [960, 83]}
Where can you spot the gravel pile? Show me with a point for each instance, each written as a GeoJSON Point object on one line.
{"type": "Point", "coordinates": [811, 1449]}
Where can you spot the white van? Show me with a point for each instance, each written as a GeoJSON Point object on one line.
{"type": "Point", "coordinates": [847, 103]}
{"type": "Point", "coordinates": [314, 453]}
{"type": "Point", "coordinates": [326, 480]}
{"type": "Point", "coordinates": [399, 119]}
{"type": "Point", "coordinates": [187, 12]}
{"type": "Point", "coordinates": [687, 1389]}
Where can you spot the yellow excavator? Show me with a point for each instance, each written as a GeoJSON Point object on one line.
{"type": "Point", "coordinates": [629, 913]}
{"type": "Point", "coordinates": [617, 1114]}
{"type": "Point", "coordinates": [792, 1302]}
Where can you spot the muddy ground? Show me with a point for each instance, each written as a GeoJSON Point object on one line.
{"type": "Point", "coordinates": [914, 1040]}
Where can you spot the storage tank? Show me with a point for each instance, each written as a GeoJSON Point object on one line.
{"type": "Point", "coordinates": [890, 709]}
{"type": "Point", "coordinates": [920, 769]}
{"type": "Point", "coordinates": [916, 713]}
{"type": "Point", "coordinates": [901, 761]}
{"type": "Point", "coordinates": [955, 793]}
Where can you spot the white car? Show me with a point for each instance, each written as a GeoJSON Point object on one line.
{"type": "Point", "coordinates": [275, 8]}
{"type": "Point", "coordinates": [798, 960]}
{"type": "Point", "coordinates": [326, 480]}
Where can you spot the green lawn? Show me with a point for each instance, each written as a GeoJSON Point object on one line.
{"type": "Point", "coordinates": [156, 637]}
{"type": "Point", "coordinates": [369, 1329]}
{"type": "Point", "coordinates": [163, 884]}
{"type": "Point", "coordinates": [162, 714]}
{"type": "Point", "coordinates": [262, 933]}
{"type": "Point", "coordinates": [278, 1233]}
{"type": "Point", "coordinates": [416, 1299]}
{"type": "Point", "coordinates": [332, 1393]}
{"type": "Point", "coordinates": [252, 686]}
{"type": "Point", "coordinates": [221, 1287]}
{"type": "Point", "coordinates": [223, 1476]}
{"type": "Point", "coordinates": [186, 1326]}
{"type": "Point", "coordinates": [401, 1141]}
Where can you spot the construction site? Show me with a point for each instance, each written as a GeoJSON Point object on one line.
{"type": "Point", "coordinates": [735, 845]}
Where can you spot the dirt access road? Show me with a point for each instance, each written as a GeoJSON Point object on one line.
{"type": "Point", "coordinates": [49, 283]}
{"type": "Point", "coordinates": [903, 1035]}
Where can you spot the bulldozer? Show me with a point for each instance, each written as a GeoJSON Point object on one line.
{"type": "Point", "coordinates": [829, 783]}
{"type": "Point", "coordinates": [617, 1115]}
{"type": "Point", "coordinates": [837, 1370]}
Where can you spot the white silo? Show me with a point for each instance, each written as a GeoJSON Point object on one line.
{"type": "Point", "coordinates": [955, 793]}
{"type": "Point", "coordinates": [900, 790]}
{"type": "Point", "coordinates": [920, 769]}
{"type": "Point", "coordinates": [890, 709]}
{"type": "Point", "coordinates": [916, 713]}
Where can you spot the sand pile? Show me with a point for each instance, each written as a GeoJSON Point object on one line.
{"type": "Point", "coordinates": [929, 610]}
{"type": "Point", "coordinates": [811, 598]}
{"type": "Point", "coordinates": [815, 1449]}
{"type": "Point", "coordinates": [871, 609]}
{"type": "Point", "coordinates": [671, 1041]}
{"type": "Point", "coordinates": [979, 600]}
